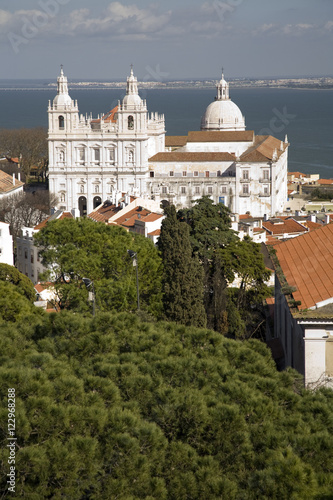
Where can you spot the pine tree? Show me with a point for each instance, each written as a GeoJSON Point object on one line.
{"type": "Point", "coordinates": [182, 276]}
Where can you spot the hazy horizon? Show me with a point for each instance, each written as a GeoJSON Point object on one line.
{"type": "Point", "coordinates": [173, 40]}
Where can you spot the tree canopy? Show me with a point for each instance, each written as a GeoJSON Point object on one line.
{"type": "Point", "coordinates": [24, 285]}
{"type": "Point", "coordinates": [78, 248]}
{"type": "Point", "coordinates": [182, 274]}
{"type": "Point", "coordinates": [224, 257]}
{"type": "Point", "coordinates": [113, 407]}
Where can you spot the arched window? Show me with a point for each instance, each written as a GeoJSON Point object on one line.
{"type": "Point", "coordinates": [62, 198]}
{"type": "Point", "coordinates": [61, 122]}
{"type": "Point", "coordinates": [130, 122]}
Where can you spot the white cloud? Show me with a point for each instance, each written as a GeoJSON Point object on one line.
{"type": "Point", "coordinates": [329, 26]}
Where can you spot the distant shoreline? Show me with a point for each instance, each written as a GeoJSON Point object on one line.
{"type": "Point", "coordinates": [161, 87]}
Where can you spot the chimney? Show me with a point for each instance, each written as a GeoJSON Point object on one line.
{"type": "Point", "coordinates": [14, 179]}
{"type": "Point", "coordinates": [297, 213]}
{"type": "Point", "coordinates": [265, 217]}
{"type": "Point", "coordinates": [19, 176]}
{"type": "Point", "coordinates": [313, 218]}
{"type": "Point", "coordinates": [327, 218]}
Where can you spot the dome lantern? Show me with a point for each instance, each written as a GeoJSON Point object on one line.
{"type": "Point", "coordinates": [223, 113]}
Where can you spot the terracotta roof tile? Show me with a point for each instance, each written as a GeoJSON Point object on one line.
{"type": "Point", "coordinates": [185, 156]}
{"type": "Point", "coordinates": [287, 226]}
{"type": "Point", "coordinates": [325, 181]}
{"type": "Point", "coordinates": [6, 183]}
{"type": "Point", "coordinates": [110, 117]}
{"type": "Point", "coordinates": [307, 263]}
{"type": "Point", "coordinates": [223, 136]}
{"type": "Point", "coordinates": [263, 149]}
{"type": "Point", "coordinates": [157, 232]}
{"type": "Point", "coordinates": [175, 140]}
{"type": "Point", "coordinates": [104, 213]}
{"type": "Point", "coordinates": [64, 215]}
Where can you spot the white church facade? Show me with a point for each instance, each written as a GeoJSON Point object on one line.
{"type": "Point", "coordinates": [126, 150]}
{"type": "Point", "coordinates": [92, 160]}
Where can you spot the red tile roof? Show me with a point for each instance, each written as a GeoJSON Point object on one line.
{"type": "Point", "coordinates": [111, 116]}
{"type": "Point", "coordinates": [64, 215]}
{"type": "Point", "coordinates": [296, 174]}
{"type": "Point", "coordinates": [263, 149]}
{"type": "Point", "coordinates": [157, 232]}
{"type": "Point", "coordinates": [130, 217]}
{"type": "Point", "coordinates": [325, 181]}
{"type": "Point", "coordinates": [175, 140]}
{"type": "Point", "coordinates": [307, 263]}
{"type": "Point", "coordinates": [283, 226]}
{"type": "Point", "coordinates": [6, 183]}
{"type": "Point", "coordinates": [104, 213]}
{"type": "Point", "coordinates": [221, 136]}
{"type": "Point", "coordinates": [185, 156]}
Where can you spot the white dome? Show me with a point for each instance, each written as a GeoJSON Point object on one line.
{"type": "Point", "coordinates": [62, 100]}
{"type": "Point", "coordinates": [223, 115]}
{"type": "Point", "coordinates": [132, 100]}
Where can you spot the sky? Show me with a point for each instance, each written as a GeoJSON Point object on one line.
{"type": "Point", "coordinates": [170, 40]}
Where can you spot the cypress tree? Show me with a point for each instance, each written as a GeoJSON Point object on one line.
{"type": "Point", "coordinates": [182, 275]}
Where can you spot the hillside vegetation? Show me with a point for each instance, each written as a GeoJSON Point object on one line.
{"type": "Point", "coordinates": [113, 407]}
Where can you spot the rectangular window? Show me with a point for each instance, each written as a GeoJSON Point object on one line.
{"type": "Point", "coordinates": [183, 190]}
{"type": "Point", "coordinates": [266, 174]}
{"type": "Point", "coordinates": [197, 189]}
{"type": "Point", "coordinates": [32, 258]}
{"type": "Point", "coordinates": [210, 190]}
{"type": "Point", "coordinates": [184, 173]}
{"type": "Point", "coordinates": [207, 173]}
{"type": "Point", "coordinates": [171, 173]}
{"type": "Point", "coordinates": [196, 174]}
{"type": "Point", "coordinates": [246, 175]}
{"type": "Point", "coordinates": [82, 154]}
{"type": "Point", "coordinates": [224, 190]}
{"type": "Point", "coordinates": [164, 190]}
{"type": "Point", "coordinates": [97, 154]}
{"type": "Point", "coordinates": [152, 174]}
{"type": "Point", "coordinates": [111, 155]}
{"type": "Point", "coordinates": [218, 173]}
{"type": "Point", "coordinates": [245, 189]}
{"type": "Point", "coordinates": [266, 189]}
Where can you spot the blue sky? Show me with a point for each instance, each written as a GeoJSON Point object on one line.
{"type": "Point", "coordinates": [165, 40]}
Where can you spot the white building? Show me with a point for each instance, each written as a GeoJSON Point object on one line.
{"type": "Point", "coordinates": [9, 185]}
{"type": "Point", "coordinates": [126, 151]}
{"type": "Point", "coordinates": [303, 314]}
{"type": "Point", "coordinates": [28, 254]}
{"type": "Point", "coordinates": [6, 245]}
{"type": "Point", "coordinates": [248, 173]}
{"type": "Point", "coordinates": [90, 160]}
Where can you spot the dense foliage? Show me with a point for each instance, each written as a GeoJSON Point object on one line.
{"type": "Point", "coordinates": [24, 286]}
{"type": "Point", "coordinates": [182, 280]}
{"type": "Point", "coordinates": [112, 407]}
{"type": "Point", "coordinates": [224, 258]}
{"type": "Point", "coordinates": [78, 248]}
